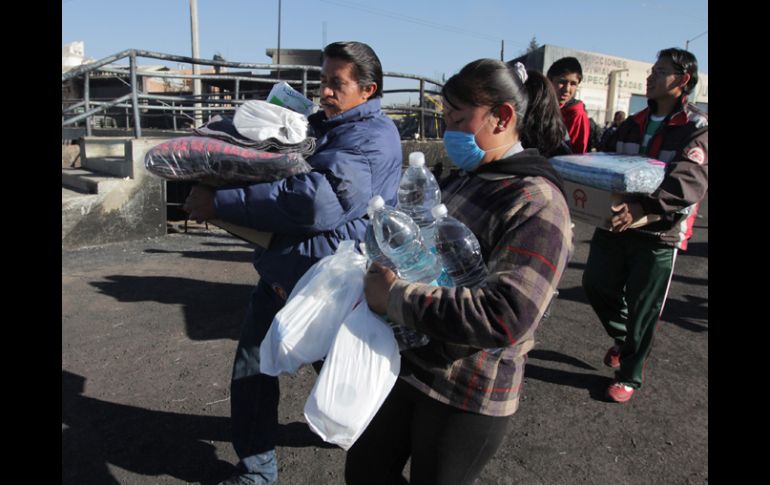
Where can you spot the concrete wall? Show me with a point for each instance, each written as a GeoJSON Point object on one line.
{"type": "Point", "coordinates": [133, 209]}
{"type": "Point", "coordinates": [70, 155]}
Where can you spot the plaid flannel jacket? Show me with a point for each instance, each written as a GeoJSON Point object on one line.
{"type": "Point", "coordinates": [480, 337]}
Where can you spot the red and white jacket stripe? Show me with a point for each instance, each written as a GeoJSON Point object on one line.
{"type": "Point", "coordinates": [682, 143]}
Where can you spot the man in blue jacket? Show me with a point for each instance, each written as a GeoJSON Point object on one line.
{"type": "Point", "coordinates": [358, 156]}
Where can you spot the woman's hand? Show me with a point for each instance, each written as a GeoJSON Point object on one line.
{"type": "Point", "coordinates": [377, 283]}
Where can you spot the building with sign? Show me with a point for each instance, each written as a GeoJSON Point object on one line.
{"type": "Point", "coordinates": [609, 83]}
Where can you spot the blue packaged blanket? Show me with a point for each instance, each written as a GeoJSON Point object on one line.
{"type": "Point", "coordinates": [615, 172]}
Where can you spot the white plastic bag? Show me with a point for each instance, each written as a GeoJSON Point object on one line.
{"type": "Point", "coordinates": [259, 120]}
{"type": "Point", "coordinates": [303, 330]}
{"type": "Point", "coordinates": [357, 376]}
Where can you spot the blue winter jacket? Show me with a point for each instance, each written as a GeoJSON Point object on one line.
{"type": "Point", "coordinates": [358, 155]}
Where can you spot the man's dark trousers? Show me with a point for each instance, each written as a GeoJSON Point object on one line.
{"type": "Point", "coordinates": [254, 396]}
{"type": "Point", "coordinates": [626, 280]}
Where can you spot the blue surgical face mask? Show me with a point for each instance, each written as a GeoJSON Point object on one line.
{"type": "Point", "coordinates": [463, 149]}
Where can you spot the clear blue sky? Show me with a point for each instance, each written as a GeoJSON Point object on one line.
{"type": "Point", "coordinates": [429, 38]}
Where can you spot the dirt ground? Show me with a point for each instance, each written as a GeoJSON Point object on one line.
{"type": "Point", "coordinates": [149, 329]}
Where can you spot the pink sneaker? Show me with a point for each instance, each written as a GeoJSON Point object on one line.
{"type": "Point", "coordinates": [612, 358]}
{"type": "Point", "coordinates": [620, 392]}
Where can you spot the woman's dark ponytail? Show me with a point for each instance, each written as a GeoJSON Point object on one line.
{"type": "Point", "coordinates": [543, 127]}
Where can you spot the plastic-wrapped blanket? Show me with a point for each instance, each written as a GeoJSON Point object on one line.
{"type": "Point", "coordinates": [614, 172]}
{"type": "Point", "coordinates": [216, 162]}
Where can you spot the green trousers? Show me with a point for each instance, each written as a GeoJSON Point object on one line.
{"type": "Point", "coordinates": [626, 280]}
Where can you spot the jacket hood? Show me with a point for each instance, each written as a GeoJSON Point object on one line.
{"type": "Point", "coordinates": [528, 163]}
{"type": "Point", "coordinates": [573, 105]}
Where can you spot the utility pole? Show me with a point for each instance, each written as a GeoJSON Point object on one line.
{"type": "Point", "coordinates": [502, 50]}
{"type": "Point", "coordinates": [279, 40]}
{"type": "Point", "coordinates": [196, 68]}
{"type": "Point", "coordinates": [323, 36]}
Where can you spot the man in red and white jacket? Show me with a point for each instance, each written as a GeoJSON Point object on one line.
{"type": "Point", "coordinates": [565, 75]}
{"type": "Point", "coordinates": [629, 270]}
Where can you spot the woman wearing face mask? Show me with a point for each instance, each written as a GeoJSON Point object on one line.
{"type": "Point", "coordinates": [450, 409]}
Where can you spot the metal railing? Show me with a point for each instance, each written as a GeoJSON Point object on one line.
{"type": "Point", "coordinates": [138, 104]}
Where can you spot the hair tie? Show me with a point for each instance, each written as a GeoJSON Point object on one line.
{"type": "Point", "coordinates": [521, 71]}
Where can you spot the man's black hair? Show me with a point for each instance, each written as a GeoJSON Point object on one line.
{"type": "Point", "coordinates": [565, 65]}
{"type": "Point", "coordinates": [685, 62]}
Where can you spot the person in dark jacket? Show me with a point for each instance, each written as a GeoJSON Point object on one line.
{"type": "Point", "coordinates": [565, 75]}
{"type": "Point", "coordinates": [610, 136]}
{"type": "Point", "coordinates": [629, 270]}
{"type": "Point", "coordinates": [450, 408]}
{"type": "Point", "coordinates": [595, 133]}
{"type": "Point", "coordinates": [358, 155]}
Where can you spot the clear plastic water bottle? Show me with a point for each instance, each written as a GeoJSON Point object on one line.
{"type": "Point", "coordinates": [460, 254]}
{"type": "Point", "coordinates": [399, 240]}
{"type": "Point", "coordinates": [459, 250]}
{"type": "Point", "coordinates": [373, 252]}
{"type": "Point", "coordinates": [418, 193]}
